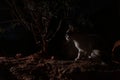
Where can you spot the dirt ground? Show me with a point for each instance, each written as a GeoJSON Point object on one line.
{"type": "Point", "coordinates": [34, 67]}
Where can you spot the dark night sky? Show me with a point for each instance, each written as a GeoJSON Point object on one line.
{"type": "Point", "coordinates": [90, 7]}
{"type": "Point", "coordinates": [87, 6]}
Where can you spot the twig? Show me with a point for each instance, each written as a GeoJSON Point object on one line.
{"type": "Point", "coordinates": [18, 13]}
{"type": "Point", "coordinates": [55, 31]}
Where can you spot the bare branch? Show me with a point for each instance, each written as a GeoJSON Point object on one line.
{"type": "Point", "coordinates": [54, 34]}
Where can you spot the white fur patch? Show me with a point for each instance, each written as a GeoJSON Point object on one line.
{"type": "Point", "coordinates": [94, 53]}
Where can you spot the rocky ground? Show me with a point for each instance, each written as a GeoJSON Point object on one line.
{"type": "Point", "coordinates": [34, 67]}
